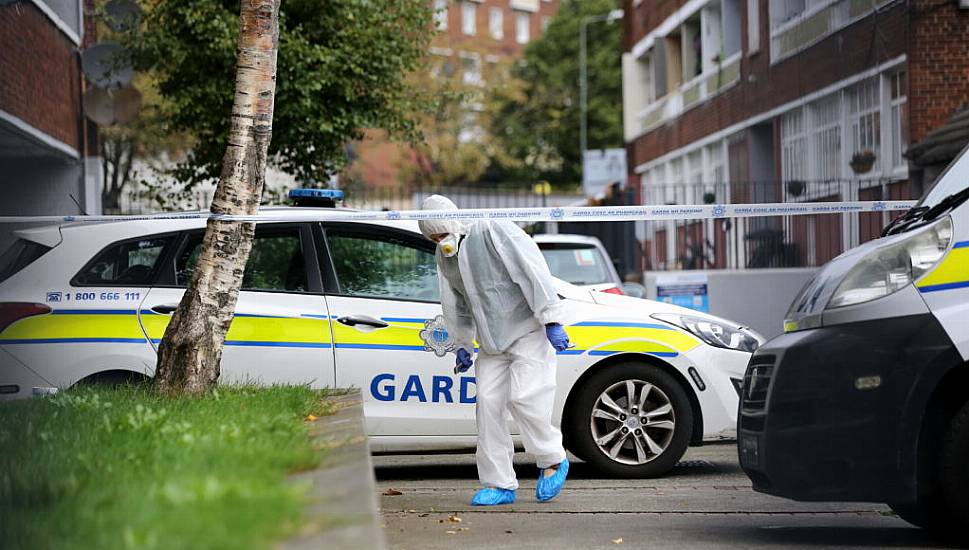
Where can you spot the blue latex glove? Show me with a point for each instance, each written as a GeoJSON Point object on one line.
{"type": "Point", "coordinates": [557, 337]}
{"type": "Point", "coordinates": [463, 361]}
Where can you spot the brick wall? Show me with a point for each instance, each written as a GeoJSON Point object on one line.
{"type": "Point", "coordinates": [645, 17]}
{"type": "Point", "coordinates": [39, 77]}
{"type": "Point", "coordinates": [763, 86]}
{"type": "Point", "coordinates": [938, 64]}
{"type": "Point", "coordinates": [482, 41]}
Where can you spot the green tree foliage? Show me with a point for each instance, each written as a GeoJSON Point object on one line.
{"type": "Point", "coordinates": [342, 68]}
{"type": "Point", "coordinates": [538, 119]}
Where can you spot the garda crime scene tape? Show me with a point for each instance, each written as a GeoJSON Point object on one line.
{"type": "Point", "coordinates": [541, 214]}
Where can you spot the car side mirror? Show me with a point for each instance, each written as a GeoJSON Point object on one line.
{"type": "Point", "coordinates": [634, 290]}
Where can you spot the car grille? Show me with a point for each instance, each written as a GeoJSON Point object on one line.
{"type": "Point", "coordinates": [757, 382]}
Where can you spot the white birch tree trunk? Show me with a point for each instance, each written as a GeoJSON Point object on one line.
{"type": "Point", "coordinates": [190, 352]}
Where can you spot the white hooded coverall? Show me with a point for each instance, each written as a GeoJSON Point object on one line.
{"type": "Point", "coordinates": [498, 288]}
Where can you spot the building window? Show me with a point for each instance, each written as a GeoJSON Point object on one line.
{"type": "Point", "coordinates": [826, 118]}
{"type": "Point", "coordinates": [792, 145]}
{"type": "Point", "coordinates": [523, 21]}
{"type": "Point", "coordinates": [753, 26]}
{"type": "Point", "coordinates": [694, 177]}
{"type": "Point", "coordinates": [899, 116]}
{"type": "Point", "coordinates": [785, 10]}
{"type": "Point", "coordinates": [496, 23]}
{"type": "Point", "coordinates": [864, 119]}
{"type": "Point", "coordinates": [471, 70]}
{"type": "Point", "coordinates": [469, 15]}
{"type": "Point", "coordinates": [440, 14]}
{"type": "Point", "coordinates": [646, 73]}
{"type": "Point", "coordinates": [718, 169]}
{"type": "Point", "coordinates": [692, 49]}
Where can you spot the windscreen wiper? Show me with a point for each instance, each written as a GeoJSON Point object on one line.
{"type": "Point", "coordinates": [902, 222]}
{"type": "Point", "coordinates": [946, 205]}
{"type": "Point", "coordinates": [922, 215]}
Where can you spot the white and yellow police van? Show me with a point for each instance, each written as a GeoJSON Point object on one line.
{"type": "Point", "coordinates": [355, 304]}
{"type": "Point", "coordinates": [866, 395]}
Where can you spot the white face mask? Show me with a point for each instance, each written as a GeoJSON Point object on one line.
{"type": "Point", "coordinates": [449, 245]}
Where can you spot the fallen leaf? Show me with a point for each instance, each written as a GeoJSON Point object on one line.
{"type": "Point", "coordinates": [423, 515]}
{"type": "Point", "coordinates": [509, 532]}
{"type": "Point", "coordinates": [452, 532]}
{"type": "Point", "coordinates": [310, 417]}
{"type": "Point", "coordinates": [464, 528]}
{"type": "Point", "coordinates": [617, 541]}
{"type": "Point", "coordinates": [392, 493]}
{"type": "Point", "coordinates": [411, 511]}
{"type": "Point", "coordinates": [454, 519]}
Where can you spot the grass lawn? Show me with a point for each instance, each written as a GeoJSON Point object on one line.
{"type": "Point", "coordinates": [126, 468]}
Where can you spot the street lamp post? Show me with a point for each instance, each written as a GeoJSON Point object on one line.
{"type": "Point", "coordinates": [584, 76]}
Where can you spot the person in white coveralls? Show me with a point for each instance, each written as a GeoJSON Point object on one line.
{"type": "Point", "coordinates": [496, 288]}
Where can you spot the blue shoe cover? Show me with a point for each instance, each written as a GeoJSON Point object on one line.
{"type": "Point", "coordinates": [549, 487]}
{"type": "Point", "coordinates": [491, 496]}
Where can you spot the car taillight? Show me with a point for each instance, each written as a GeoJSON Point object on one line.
{"type": "Point", "coordinates": [613, 290]}
{"type": "Point", "coordinates": [11, 312]}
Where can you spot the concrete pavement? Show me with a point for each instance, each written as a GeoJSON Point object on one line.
{"type": "Point", "coordinates": [706, 502]}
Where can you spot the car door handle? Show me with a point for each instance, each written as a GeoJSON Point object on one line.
{"type": "Point", "coordinates": [352, 321]}
{"type": "Point", "coordinates": [165, 309]}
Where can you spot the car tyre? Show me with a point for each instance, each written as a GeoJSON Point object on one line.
{"type": "Point", "coordinates": [945, 511]}
{"type": "Point", "coordinates": [602, 430]}
{"type": "Point", "coordinates": [954, 474]}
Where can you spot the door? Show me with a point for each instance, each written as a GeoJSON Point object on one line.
{"type": "Point", "coordinates": [382, 289]}
{"type": "Point", "coordinates": [280, 333]}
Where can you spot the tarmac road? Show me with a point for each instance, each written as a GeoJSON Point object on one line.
{"type": "Point", "coordinates": [706, 502]}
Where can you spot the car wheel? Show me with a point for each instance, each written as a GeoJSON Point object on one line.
{"type": "Point", "coordinates": [954, 476]}
{"type": "Point", "coordinates": [631, 420]}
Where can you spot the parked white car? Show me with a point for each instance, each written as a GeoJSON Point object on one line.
{"type": "Point", "coordinates": [356, 304]}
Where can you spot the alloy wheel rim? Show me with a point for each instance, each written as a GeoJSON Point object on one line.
{"type": "Point", "coordinates": [633, 422]}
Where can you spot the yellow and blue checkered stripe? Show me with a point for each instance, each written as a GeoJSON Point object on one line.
{"type": "Point", "coordinates": [76, 326]}
{"type": "Point", "coordinates": [595, 338]}
{"type": "Point", "coordinates": [951, 273]}
{"type": "Point", "coordinates": [121, 326]}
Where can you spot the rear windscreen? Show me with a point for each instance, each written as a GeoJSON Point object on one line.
{"type": "Point", "coordinates": [20, 254]}
{"type": "Point", "coordinates": [576, 263]}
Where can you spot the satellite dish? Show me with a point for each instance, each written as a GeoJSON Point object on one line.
{"type": "Point", "coordinates": [109, 107]}
{"type": "Point", "coordinates": [121, 15]}
{"type": "Point", "coordinates": [107, 65]}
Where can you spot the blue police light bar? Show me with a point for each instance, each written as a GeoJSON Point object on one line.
{"type": "Point", "coordinates": [326, 194]}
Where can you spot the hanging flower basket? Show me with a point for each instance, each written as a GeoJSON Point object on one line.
{"type": "Point", "coordinates": [862, 162]}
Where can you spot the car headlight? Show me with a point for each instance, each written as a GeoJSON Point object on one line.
{"type": "Point", "coordinates": [716, 334]}
{"type": "Point", "coordinates": [889, 269]}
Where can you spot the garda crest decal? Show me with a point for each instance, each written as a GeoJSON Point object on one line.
{"type": "Point", "coordinates": [435, 337]}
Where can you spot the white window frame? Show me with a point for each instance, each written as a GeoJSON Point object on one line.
{"type": "Point", "coordinates": [753, 26]}
{"type": "Point", "coordinates": [523, 32]}
{"type": "Point", "coordinates": [472, 78]}
{"type": "Point", "coordinates": [469, 18]}
{"type": "Point", "coordinates": [861, 130]}
{"type": "Point", "coordinates": [496, 23]}
{"type": "Point", "coordinates": [825, 152]}
{"type": "Point", "coordinates": [441, 14]}
{"type": "Point", "coordinates": [793, 141]}
{"type": "Point", "coordinates": [897, 141]}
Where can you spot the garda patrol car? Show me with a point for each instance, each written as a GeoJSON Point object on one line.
{"type": "Point", "coordinates": [355, 304]}
{"type": "Point", "coordinates": [866, 396]}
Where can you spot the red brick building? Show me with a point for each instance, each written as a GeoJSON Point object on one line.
{"type": "Point", "coordinates": [784, 100]}
{"type": "Point", "coordinates": [476, 39]}
{"type": "Point", "coordinates": [47, 149]}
